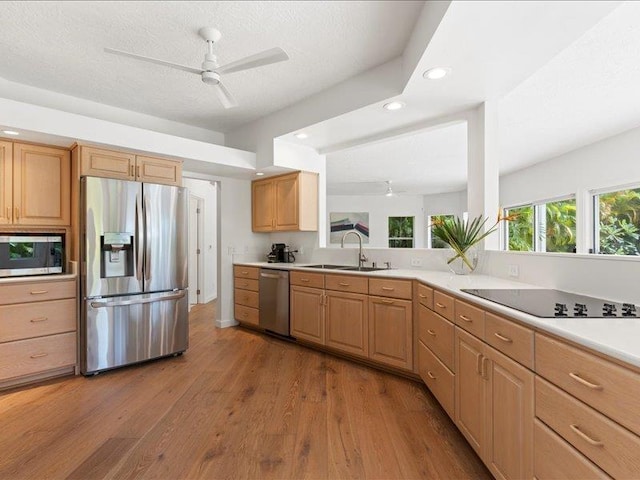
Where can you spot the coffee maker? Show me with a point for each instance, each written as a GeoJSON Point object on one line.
{"type": "Point", "coordinates": [280, 254]}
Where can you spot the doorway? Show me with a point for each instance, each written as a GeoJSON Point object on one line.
{"type": "Point", "coordinates": [195, 250]}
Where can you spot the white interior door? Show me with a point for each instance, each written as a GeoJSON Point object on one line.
{"type": "Point", "coordinates": [194, 249]}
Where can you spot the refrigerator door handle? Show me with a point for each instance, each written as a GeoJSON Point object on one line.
{"type": "Point", "coordinates": [124, 303]}
{"type": "Point", "coordinates": [147, 239]}
{"type": "Point", "coordinates": [139, 242]}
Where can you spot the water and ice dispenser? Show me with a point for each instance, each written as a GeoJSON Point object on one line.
{"type": "Point", "coordinates": [117, 255]}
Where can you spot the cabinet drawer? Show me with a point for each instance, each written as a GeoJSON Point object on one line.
{"type": "Point", "coordinates": [510, 338]}
{"type": "Point", "coordinates": [607, 444]}
{"type": "Point", "coordinates": [246, 314]}
{"type": "Point", "coordinates": [37, 291]}
{"type": "Point", "coordinates": [240, 271]}
{"type": "Point", "coordinates": [443, 305]}
{"type": "Point", "coordinates": [425, 296]}
{"type": "Point", "coordinates": [609, 388]}
{"type": "Point", "coordinates": [347, 283]}
{"type": "Point", "coordinates": [306, 279]}
{"type": "Point", "coordinates": [29, 320]}
{"type": "Point", "coordinates": [437, 334]}
{"type": "Point", "coordinates": [384, 287]}
{"type": "Point", "coordinates": [554, 458]}
{"type": "Point", "coordinates": [470, 318]}
{"type": "Point", "coordinates": [246, 297]}
{"type": "Point", "coordinates": [246, 284]}
{"type": "Point", "coordinates": [438, 378]}
{"type": "Point", "coordinates": [35, 355]}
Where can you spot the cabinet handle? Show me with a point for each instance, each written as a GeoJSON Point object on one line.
{"type": "Point", "coordinates": [305, 280]}
{"type": "Point", "coordinates": [273, 222]}
{"type": "Point", "coordinates": [138, 171]}
{"type": "Point", "coordinates": [421, 295]}
{"type": "Point", "coordinates": [439, 305]}
{"type": "Point", "coordinates": [431, 375]}
{"type": "Point", "coordinates": [431, 332]}
{"type": "Point", "coordinates": [388, 289]}
{"type": "Point", "coordinates": [39, 355]}
{"type": "Point", "coordinates": [244, 272]}
{"type": "Point", "coordinates": [503, 338]}
{"type": "Point", "coordinates": [344, 284]}
{"type": "Point", "coordinates": [479, 363]}
{"type": "Point", "coordinates": [466, 319]}
{"type": "Point", "coordinates": [9, 214]}
{"type": "Point", "coordinates": [585, 437]}
{"type": "Point", "coordinates": [39, 319]}
{"type": "Point", "coordinates": [579, 379]}
{"type": "Point", "coordinates": [131, 170]}
{"type": "Point", "coordinates": [245, 284]}
{"type": "Point", "coordinates": [17, 212]}
{"type": "Point", "coordinates": [39, 292]}
{"type": "Point", "coordinates": [388, 302]}
{"type": "Point", "coordinates": [485, 370]}
{"type": "Point", "coordinates": [245, 314]}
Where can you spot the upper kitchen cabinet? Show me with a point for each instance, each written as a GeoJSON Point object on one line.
{"type": "Point", "coordinates": [98, 162]}
{"type": "Point", "coordinates": [285, 203]}
{"type": "Point", "coordinates": [35, 185]}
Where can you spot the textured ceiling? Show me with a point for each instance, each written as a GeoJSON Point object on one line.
{"type": "Point", "coordinates": [588, 92]}
{"type": "Point", "coordinates": [432, 161]}
{"type": "Point", "coordinates": [58, 46]}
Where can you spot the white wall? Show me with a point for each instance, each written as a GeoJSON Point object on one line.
{"type": "Point", "coordinates": [380, 208]}
{"type": "Point", "coordinates": [450, 203]}
{"type": "Point", "coordinates": [209, 249]}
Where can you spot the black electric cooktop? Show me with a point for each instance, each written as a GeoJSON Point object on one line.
{"type": "Point", "coordinates": [556, 303]}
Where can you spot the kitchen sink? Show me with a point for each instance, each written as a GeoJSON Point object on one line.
{"type": "Point", "coordinates": [346, 267]}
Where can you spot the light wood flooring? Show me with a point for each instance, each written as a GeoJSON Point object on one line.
{"type": "Point", "coordinates": [237, 405]}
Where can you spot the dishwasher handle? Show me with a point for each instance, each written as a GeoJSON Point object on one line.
{"type": "Point", "coordinates": [269, 275]}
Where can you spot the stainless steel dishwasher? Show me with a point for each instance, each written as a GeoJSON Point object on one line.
{"type": "Point", "coordinates": [274, 300]}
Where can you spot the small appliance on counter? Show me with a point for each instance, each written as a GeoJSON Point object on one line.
{"type": "Point", "coordinates": [280, 253]}
{"type": "Point", "coordinates": [24, 254]}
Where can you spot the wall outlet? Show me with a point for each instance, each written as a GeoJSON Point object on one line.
{"type": "Point", "coordinates": [416, 262]}
{"type": "Point", "coordinates": [514, 271]}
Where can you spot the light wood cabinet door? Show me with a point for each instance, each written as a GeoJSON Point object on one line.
{"type": "Point", "coordinates": [287, 203]}
{"type": "Point", "coordinates": [470, 391]}
{"type": "Point", "coordinates": [263, 206]}
{"type": "Point", "coordinates": [307, 314]}
{"type": "Point", "coordinates": [96, 162]}
{"type": "Point", "coordinates": [391, 332]}
{"type": "Point", "coordinates": [347, 319]}
{"type": "Point", "coordinates": [41, 185]}
{"type": "Point", "coordinates": [6, 183]}
{"type": "Point", "coordinates": [510, 413]}
{"type": "Point", "coordinates": [158, 170]}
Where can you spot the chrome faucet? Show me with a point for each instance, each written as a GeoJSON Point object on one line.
{"type": "Point", "coordinates": [361, 257]}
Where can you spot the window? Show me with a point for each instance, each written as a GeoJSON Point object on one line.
{"type": "Point", "coordinates": [542, 227]}
{"type": "Point", "coordinates": [434, 240]}
{"type": "Point", "coordinates": [617, 222]}
{"type": "Point", "coordinates": [401, 232]}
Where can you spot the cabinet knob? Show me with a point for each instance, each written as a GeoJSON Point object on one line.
{"type": "Point", "coordinates": [431, 332]}
{"type": "Point", "coordinates": [431, 375]}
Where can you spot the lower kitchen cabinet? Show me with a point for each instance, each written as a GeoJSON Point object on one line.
{"type": "Point", "coordinates": [391, 332]}
{"type": "Point", "coordinates": [494, 407]}
{"type": "Point", "coordinates": [307, 314]}
{"type": "Point", "coordinates": [347, 318]}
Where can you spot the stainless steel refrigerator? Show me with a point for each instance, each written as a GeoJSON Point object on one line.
{"type": "Point", "coordinates": [134, 251]}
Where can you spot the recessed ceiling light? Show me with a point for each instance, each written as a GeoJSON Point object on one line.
{"type": "Point", "coordinates": [436, 73]}
{"type": "Point", "coordinates": [259, 174]}
{"type": "Point", "coordinates": [391, 106]}
{"type": "Point", "coordinates": [10, 132]}
{"type": "Point", "coordinates": [301, 135]}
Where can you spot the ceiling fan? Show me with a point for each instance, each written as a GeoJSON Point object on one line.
{"type": "Point", "coordinates": [210, 70]}
{"type": "Point", "coordinates": [390, 192]}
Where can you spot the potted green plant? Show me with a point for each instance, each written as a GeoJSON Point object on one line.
{"type": "Point", "coordinates": [462, 236]}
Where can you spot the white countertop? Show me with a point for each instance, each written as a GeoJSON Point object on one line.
{"type": "Point", "coordinates": [54, 277]}
{"type": "Point", "coordinates": [615, 337]}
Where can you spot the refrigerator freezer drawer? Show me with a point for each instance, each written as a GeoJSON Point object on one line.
{"type": "Point", "coordinates": [123, 330]}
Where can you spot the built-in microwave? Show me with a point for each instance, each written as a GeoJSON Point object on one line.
{"type": "Point", "coordinates": [30, 254]}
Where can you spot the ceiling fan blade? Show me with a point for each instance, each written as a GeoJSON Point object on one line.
{"type": "Point", "coordinates": [154, 60]}
{"type": "Point", "coordinates": [273, 55]}
{"type": "Point", "coordinates": [225, 96]}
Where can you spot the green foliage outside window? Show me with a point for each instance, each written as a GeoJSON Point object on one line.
{"type": "Point", "coordinates": [619, 222]}
{"type": "Point", "coordinates": [401, 232]}
{"type": "Point", "coordinates": [520, 229]}
{"type": "Point", "coordinates": [561, 226]}
{"type": "Point", "coordinates": [436, 241]}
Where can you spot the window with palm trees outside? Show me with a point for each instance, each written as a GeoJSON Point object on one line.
{"type": "Point", "coordinates": [617, 222]}
{"type": "Point", "coordinates": [542, 227]}
{"type": "Point", "coordinates": [434, 240]}
{"type": "Point", "coordinates": [401, 232]}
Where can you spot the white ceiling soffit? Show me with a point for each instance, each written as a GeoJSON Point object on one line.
{"type": "Point", "coordinates": [588, 92]}
{"type": "Point", "coordinates": [490, 46]}
{"type": "Point", "coordinates": [59, 46]}
{"type": "Point", "coordinates": [432, 161]}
